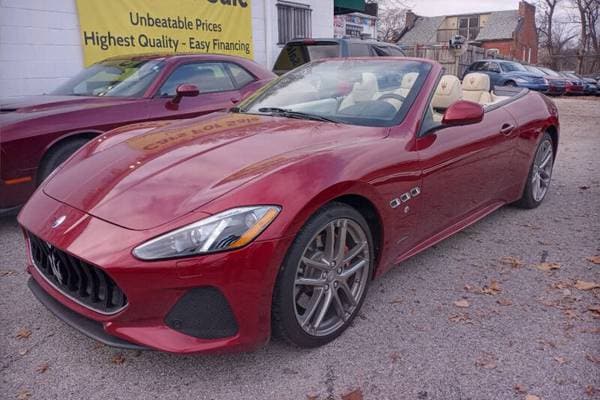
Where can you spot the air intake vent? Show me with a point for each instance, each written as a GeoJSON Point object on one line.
{"type": "Point", "coordinates": [81, 282]}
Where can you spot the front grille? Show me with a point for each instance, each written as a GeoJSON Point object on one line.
{"type": "Point", "coordinates": [78, 280]}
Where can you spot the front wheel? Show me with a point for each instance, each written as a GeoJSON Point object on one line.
{"type": "Point", "coordinates": [540, 174]}
{"type": "Point", "coordinates": [324, 278]}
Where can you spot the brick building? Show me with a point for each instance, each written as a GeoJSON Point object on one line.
{"type": "Point", "coordinates": [510, 33]}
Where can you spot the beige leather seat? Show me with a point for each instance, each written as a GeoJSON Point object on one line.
{"type": "Point", "coordinates": [362, 91]}
{"type": "Point", "coordinates": [448, 91]}
{"type": "Point", "coordinates": [476, 87]}
{"type": "Point", "coordinates": [408, 80]}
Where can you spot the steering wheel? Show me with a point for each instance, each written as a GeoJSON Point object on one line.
{"type": "Point", "coordinates": [392, 96]}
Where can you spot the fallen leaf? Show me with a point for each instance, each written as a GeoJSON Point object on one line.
{"type": "Point", "coordinates": [521, 389]}
{"type": "Point", "coordinates": [595, 310]}
{"type": "Point", "coordinates": [42, 368]}
{"type": "Point", "coordinates": [312, 397]}
{"type": "Point", "coordinates": [7, 272]}
{"type": "Point", "coordinates": [486, 361]}
{"type": "Point", "coordinates": [583, 285]}
{"type": "Point", "coordinates": [593, 259]}
{"type": "Point", "coordinates": [23, 333]}
{"type": "Point", "coordinates": [461, 318]}
{"type": "Point", "coordinates": [395, 357]}
{"type": "Point", "coordinates": [561, 285]}
{"type": "Point", "coordinates": [592, 358]}
{"type": "Point", "coordinates": [504, 302]}
{"type": "Point", "coordinates": [532, 397]}
{"type": "Point", "coordinates": [590, 390]}
{"type": "Point", "coordinates": [23, 394]}
{"type": "Point", "coordinates": [548, 266]}
{"type": "Point", "coordinates": [512, 261]}
{"type": "Point", "coordinates": [22, 352]}
{"type": "Point", "coordinates": [353, 395]}
{"type": "Point", "coordinates": [571, 314]}
{"type": "Point", "coordinates": [591, 330]}
{"type": "Point", "coordinates": [493, 288]}
{"type": "Point", "coordinates": [398, 301]}
{"type": "Point", "coordinates": [584, 187]}
{"type": "Point", "coordinates": [561, 360]}
{"type": "Point", "coordinates": [118, 359]}
{"type": "Point", "coordinates": [462, 303]}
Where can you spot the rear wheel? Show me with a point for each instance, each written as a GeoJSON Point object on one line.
{"type": "Point", "coordinates": [324, 278]}
{"type": "Point", "coordinates": [540, 174]}
{"type": "Point", "coordinates": [57, 156]}
{"type": "Point", "coordinates": [511, 84]}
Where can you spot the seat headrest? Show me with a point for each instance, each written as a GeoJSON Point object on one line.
{"type": "Point", "coordinates": [447, 92]}
{"type": "Point", "coordinates": [366, 89]}
{"type": "Point", "coordinates": [408, 80]}
{"type": "Point", "coordinates": [476, 81]}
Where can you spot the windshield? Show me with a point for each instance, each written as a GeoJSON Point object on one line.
{"type": "Point", "coordinates": [549, 72]}
{"type": "Point", "coordinates": [370, 92]}
{"type": "Point", "coordinates": [114, 78]}
{"type": "Point", "coordinates": [536, 70]}
{"type": "Point", "coordinates": [509, 66]}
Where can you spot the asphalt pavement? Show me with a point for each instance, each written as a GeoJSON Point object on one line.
{"type": "Point", "coordinates": [502, 310]}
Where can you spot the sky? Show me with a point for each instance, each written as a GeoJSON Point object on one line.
{"type": "Point", "coordinates": [447, 7]}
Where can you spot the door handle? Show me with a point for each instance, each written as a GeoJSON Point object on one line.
{"type": "Point", "coordinates": [235, 100]}
{"type": "Point", "coordinates": [506, 129]}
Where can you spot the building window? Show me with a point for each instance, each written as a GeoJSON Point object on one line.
{"type": "Point", "coordinates": [293, 21]}
{"type": "Point", "coordinates": [469, 27]}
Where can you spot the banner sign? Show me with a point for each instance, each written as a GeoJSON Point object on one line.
{"type": "Point", "coordinates": [120, 27]}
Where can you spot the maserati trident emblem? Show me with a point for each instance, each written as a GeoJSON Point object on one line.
{"type": "Point", "coordinates": [54, 265]}
{"type": "Point", "coordinates": [58, 221]}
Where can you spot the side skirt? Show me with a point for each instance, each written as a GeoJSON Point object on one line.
{"type": "Point", "coordinates": [447, 232]}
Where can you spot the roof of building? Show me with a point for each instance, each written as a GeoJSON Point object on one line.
{"type": "Point", "coordinates": [500, 25]}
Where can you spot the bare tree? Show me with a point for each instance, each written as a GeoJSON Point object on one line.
{"type": "Point", "coordinates": [391, 15]}
{"type": "Point", "coordinates": [546, 10]}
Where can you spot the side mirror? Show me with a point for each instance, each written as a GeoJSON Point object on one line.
{"type": "Point", "coordinates": [463, 112]}
{"type": "Point", "coordinates": [185, 90]}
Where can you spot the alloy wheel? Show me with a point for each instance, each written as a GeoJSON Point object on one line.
{"type": "Point", "coordinates": [542, 170]}
{"type": "Point", "coordinates": [331, 277]}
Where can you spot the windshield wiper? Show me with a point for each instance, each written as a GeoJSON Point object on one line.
{"type": "Point", "coordinates": [284, 112]}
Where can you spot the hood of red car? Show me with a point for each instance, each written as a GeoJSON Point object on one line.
{"type": "Point", "coordinates": [157, 175]}
{"type": "Point", "coordinates": [34, 106]}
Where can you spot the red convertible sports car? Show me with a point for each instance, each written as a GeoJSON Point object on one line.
{"type": "Point", "coordinates": [208, 234]}
{"type": "Point", "coordinates": [38, 133]}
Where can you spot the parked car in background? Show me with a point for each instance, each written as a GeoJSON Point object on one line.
{"type": "Point", "coordinates": [40, 132]}
{"type": "Point", "coordinates": [300, 51]}
{"type": "Point", "coordinates": [277, 215]}
{"type": "Point", "coordinates": [590, 84]}
{"type": "Point", "coordinates": [557, 84]}
{"type": "Point", "coordinates": [509, 73]}
{"type": "Point", "coordinates": [575, 85]}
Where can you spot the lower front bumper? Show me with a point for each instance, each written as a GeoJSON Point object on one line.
{"type": "Point", "coordinates": [87, 326]}
{"type": "Point", "coordinates": [152, 319]}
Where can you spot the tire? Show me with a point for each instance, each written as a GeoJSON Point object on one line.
{"type": "Point", "coordinates": [297, 308]}
{"type": "Point", "coordinates": [532, 197]}
{"type": "Point", "coordinates": [510, 83]}
{"type": "Point", "coordinates": [57, 156]}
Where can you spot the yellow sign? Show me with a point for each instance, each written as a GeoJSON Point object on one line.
{"type": "Point", "coordinates": [120, 27]}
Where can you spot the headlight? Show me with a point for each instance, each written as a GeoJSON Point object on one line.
{"type": "Point", "coordinates": [224, 231]}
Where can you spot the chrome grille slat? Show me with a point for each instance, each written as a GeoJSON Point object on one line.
{"type": "Point", "coordinates": [82, 282]}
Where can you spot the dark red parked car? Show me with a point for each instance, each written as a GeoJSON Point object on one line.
{"type": "Point", "coordinates": [40, 132]}
{"type": "Point", "coordinates": [208, 234]}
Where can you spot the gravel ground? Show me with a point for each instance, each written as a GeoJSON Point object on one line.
{"type": "Point", "coordinates": [525, 331]}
